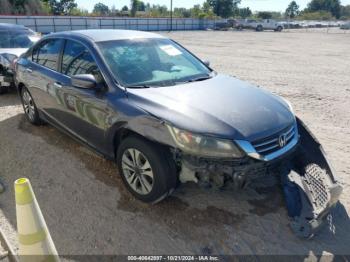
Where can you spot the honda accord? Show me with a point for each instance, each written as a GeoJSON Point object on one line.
{"type": "Point", "coordinates": [165, 116]}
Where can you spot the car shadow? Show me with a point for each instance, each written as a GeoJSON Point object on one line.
{"type": "Point", "coordinates": [82, 196]}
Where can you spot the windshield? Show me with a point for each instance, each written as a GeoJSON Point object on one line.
{"type": "Point", "coordinates": [151, 62]}
{"type": "Point", "coordinates": [17, 39]}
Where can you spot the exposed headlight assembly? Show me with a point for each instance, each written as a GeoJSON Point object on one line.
{"type": "Point", "coordinates": [204, 146]}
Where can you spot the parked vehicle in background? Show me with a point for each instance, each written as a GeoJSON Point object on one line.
{"type": "Point", "coordinates": [345, 26]}
{"type": "Point", "coordinates": [241, 24]}
{"type": "Point", "coordinates": [165, 117]}
{"type": "Point", "coordinates": [259, 25]}
{"type": "Point", "coordinates": [14, 41]}
{"type": "Point", "coordinates": [222, 26]}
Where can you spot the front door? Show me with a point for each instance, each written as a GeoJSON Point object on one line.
{"type": "Point", "coordinates": [81, 111]}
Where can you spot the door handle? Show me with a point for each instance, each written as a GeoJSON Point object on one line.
{"type": "Point", "coordinates": [58, 85]}
{"type": "Point", "coordinates": [29, 70]}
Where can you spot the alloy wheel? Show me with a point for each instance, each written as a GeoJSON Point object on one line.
{"type": "Point", "coordinates": [137, 171]}
{"type": "Point", "coordinates": [28, 104]}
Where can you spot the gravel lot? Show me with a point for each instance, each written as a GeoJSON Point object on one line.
{"type": "Point", "coordinates": [89, 211]}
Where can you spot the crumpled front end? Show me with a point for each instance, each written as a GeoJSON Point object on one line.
{"type": "Point", "coordinates": [6, 71]}
{"type": "Point", "coordinates": [300, 166]}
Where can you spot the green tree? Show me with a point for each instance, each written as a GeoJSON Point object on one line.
{"type": "Point", "coordinates": [79, 12]}
{"type": "Point", "coordinates": [101, 9]}
{"type": "Point", "coordinates": [223, 8]}
{"type": "Point", "coordinates": [5, 7]}
{"type": "Point", "coordinates": [60, 7]}
{"type": "Point", "coordinates": [134, 6]}
{"type": "Point", "coordinates": [182, 12]}
{"type": "Point", "coordinates": [125, 8]}
{"type": "Point", "coordinates": [345, 12]}
{"type": "Point", "coordinates": [244, 12]}
{"type": "Point", "coordinates": [292, 10]}
{"type": "Point", "coordinates": [158, 11]}
{"type": "Point", "coordinates": [141, 6]}
{"type": "Point", "coordinates": [66, 6]}
{"type": "Point", "coordinates": [318, 15]}
{"type": "Point", "coordinates": [332, 6]}
{"type": "Point", "coordinates": [264, 15]}
{"type": "Point", "coordinates": [22, 7]}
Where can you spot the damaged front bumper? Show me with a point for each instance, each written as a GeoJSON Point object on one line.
{"type": "Point", "coordinates": [307, 179]}
{"type": "Point", "coordinates": [6, 71]}
{"type": "Point", "coordinates": [309, 185]}
{"type": "Point", "coordinates": [6, 79]}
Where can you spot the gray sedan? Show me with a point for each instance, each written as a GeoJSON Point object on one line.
{"type": "Point", "coordinates": [166, 117]}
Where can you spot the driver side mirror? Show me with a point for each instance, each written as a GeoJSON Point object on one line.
{"type": "Point", "coordinates": [206, 62]}
{"type": "Point", "coordinates": [86, 81]}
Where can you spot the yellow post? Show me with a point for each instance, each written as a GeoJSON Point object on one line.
{"type": "Point", "coordinates": [35, 242]}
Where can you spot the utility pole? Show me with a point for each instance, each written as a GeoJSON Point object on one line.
{"type": "Point", "coordinates": [171, 15]}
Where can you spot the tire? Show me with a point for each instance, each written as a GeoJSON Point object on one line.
{"type": "Point", "coordinates": [30, 110]}
{"type": "Point", "coordinates": [259, 28]}
{"type": "Point", "coordinates": [279, 29]}
{"type": "Point", "coordinates": [156, 180]}
{"type": "Point", "coordinates": [3, 89]}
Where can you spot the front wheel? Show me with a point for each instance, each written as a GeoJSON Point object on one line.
{"type": "Point", "coordinates": [146, 168]}
{"type": "Point", "coordinates": [279, 29]}
{"type": "Point", "coordinates": [259, 28]}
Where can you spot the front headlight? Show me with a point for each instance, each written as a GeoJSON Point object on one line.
{"type": "Point", "coordinates": [204, 146]}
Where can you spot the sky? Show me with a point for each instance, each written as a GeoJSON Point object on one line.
{"type": "Point", "coordinates": [255, 5]}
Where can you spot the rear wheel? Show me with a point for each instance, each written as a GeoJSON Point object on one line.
{"type": "Point", "coordinates": [146, 168]}
{"type": "Point", "coordinates": [29, 107]}
{"type": "Point", "coordinates": [279, 29]}
{"type": "Point", "coordinates": [259, 28]}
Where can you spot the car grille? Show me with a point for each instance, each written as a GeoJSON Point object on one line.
{"type": "Point", "coordinates": [271, 144]}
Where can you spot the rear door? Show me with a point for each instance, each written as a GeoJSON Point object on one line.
{"type": "Point", "coordinates": [41, 71]}
{"type": "Point", "coordinates": [80, 111]}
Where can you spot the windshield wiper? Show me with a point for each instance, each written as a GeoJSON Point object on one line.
{"type": "Point", "coordinates": [138, 86]}
{"type": "Point", "coordinates": [200, 78]}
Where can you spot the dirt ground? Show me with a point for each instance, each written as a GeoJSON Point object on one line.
{"type": "Point", "coordinates": [89, 211]}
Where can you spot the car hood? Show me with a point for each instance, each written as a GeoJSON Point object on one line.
{"type": "Point", "coordinates": [13, 51]}
{"type": "Point", "coordinates": [222, 106]}
{"type": "Point", "coordinates": [8, 54]}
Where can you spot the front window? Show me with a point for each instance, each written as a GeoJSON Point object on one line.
{"type": "Point", "coordinates": [17, 39]}
{"type": "Point", "coordinates": [151, 62]}
{"type": "Point", "coordinates": [77, 60]}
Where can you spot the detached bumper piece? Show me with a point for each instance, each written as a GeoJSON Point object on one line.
{"type": "Point", "coordinates": [309, 186]}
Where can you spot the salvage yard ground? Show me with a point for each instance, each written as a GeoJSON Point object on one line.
{"type": "Point", "coordinates": [89, 211]}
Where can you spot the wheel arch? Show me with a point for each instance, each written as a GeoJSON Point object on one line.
{"type": "Point", "coordinates": [20, 86]}
{"type": "Point", "coordinates": [148, 128]}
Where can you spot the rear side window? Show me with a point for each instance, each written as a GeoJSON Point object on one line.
{"type": "Point", "coordinates": [78, 60]}
{"type": "Point", "coordinates": [47, 53]}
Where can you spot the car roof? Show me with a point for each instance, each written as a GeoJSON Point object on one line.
{"type": "Point", "coordinates": [4, 26]}
{"type": "Point", "coordinates": [101, 35]}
